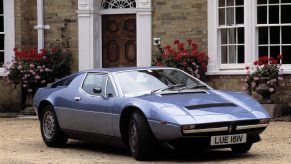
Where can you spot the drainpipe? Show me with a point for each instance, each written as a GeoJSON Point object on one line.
{"type": "Point", "coordinates": [40, 27]}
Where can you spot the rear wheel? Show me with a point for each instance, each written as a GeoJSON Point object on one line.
{"type": "Point", "coordinates": [141, 139]}
{"type": "Point", "coordinates": [50, 130]}
{"type": "Point", "coordinates": [241, 148]}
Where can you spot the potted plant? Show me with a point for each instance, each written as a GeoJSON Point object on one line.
{"type": "Point", "coordinates": [35, 69]}
{"type": "Point", "coordinates": [186, 57]}
{"type": "Point", "coordinates": [263, 78]}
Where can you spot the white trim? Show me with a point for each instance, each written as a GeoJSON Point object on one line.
{"type": "Point", "coordinates": [9, 30]}
{"type": "Point", "coordinates": [90, 32]}
{"type": "Point", "coordinates": [251, 42]}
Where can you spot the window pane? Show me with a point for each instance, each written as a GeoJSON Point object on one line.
{"type": "Point", "coordinates": [275, 35]}
{"type": "Point", "coordinates": [241, 35]}
{"type": "Point", "coordinates": [1, 24]}
{"type": "Point", "coordinates": [110, 88]}
{"type": "Point", "coordinates": [1, 42]}
{"type": "Point", "coordinates": [262, 14]}
{"type": "Point", "coordinates": [232, 36]}
{"type": "Point", "coordinates": [286, 52]}
{"type": "Point", "coordinates": [1, 58]}
{"type": "Point", "coordinates": [273, 14]}
{"type": "Point", "coordinates": [263, 35]}
{"type": "Point", "coordinates": [224, 54]}
{"type": "Point", "coordinates": [241, 54]}
{"type": "Point", "coordinates": [230, 2]}
{"type": "Point", "coordinates": [239, 15]}
{"type": "Point", "coordinates": [1, 6]}
{"type": "Point", "coordinates": [239, 2]}
{"type": "Point", "coordinates": [223, 36]}
{"type": "Point", "coordinates": [285, 15]}
{"type": "Point", "coordinates": [286, 1]}
{"type": "Point", "coordinates": [232, 54]}
{"type": "Point", "coordinates": [262, 1]}
{"type": "Point", "coordinates": [286, 35]}
{"type": "Point", "coordinates": [94, 80]}
{"type": "Point", "coordinates": [221, 3]}
{"type": "Point", "coordinates": [230, 16]}
{"type": "Point", "coordinates": [274, 51]}
{"type": "Point", "coordinates": [273, 1]}
{"type": "Point", "coordinates": [263, 51]}
{"type": "Point", "coordinates": [221, 16]}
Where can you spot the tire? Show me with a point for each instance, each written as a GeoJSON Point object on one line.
{"type": "Point", "coordinates": [241, 148]}
{"type": "Point", "coordinates": [142, 142]}
{"type": "Point", "coordinates": [50, 130]}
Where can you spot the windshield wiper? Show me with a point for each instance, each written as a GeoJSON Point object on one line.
{"type": "Point", "coordinates": [169, 87]}
{"type": "Point", "coordinates": [193, 87]}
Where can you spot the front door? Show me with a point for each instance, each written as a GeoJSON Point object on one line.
{"type": "Point", "coordinates": [119, 40]}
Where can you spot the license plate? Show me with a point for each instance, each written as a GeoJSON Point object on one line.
{"type": "Point", "coordinates": [228, 139]}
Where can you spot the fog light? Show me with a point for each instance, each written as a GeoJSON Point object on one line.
{"type": "Point", "coordinates": [264, 121]}
{"type": "Point", "coordinates": [188, 127]}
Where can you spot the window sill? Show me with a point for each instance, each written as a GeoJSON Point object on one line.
{"type": "Point", "coordinates": [237, 72]}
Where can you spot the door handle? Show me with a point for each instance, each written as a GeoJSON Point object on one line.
{"type": "Point", "coordinates": [77, 98]}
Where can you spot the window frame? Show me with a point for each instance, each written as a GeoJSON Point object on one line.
{"type": "Point", "coordinates": [9, 32]}
{"type": "Point", "coordinates": [251, 41]}
{"type": "Point", "coordinates": [109, 77]}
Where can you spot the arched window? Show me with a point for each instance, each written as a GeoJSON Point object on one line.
{"type": "Point", "coordinates": [118, 4]}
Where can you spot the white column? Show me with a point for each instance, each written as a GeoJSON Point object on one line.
{"type": "Point", "coordinates": [144, 32]}
{"type": "Point", "coordinates": [87, 27]}
{"type": "Point", "coordinates": [144, 38]}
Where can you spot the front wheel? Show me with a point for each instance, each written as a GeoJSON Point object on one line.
{"type": "Point", "coordinates": [141, 139]}
{"type": "Point", "coordinates": [241, 148]}
{"type": "Point", "coordinates": [50, 130]}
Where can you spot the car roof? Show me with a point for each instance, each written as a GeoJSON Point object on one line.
{"type": "Point", "coordinates": [120, 69]}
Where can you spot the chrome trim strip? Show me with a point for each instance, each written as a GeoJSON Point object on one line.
{"type": "Point", "coordinates": [205, 130]}
{"type": "Point", "coordinates": [251, 126]}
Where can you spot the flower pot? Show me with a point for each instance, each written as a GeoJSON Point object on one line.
{"type": "Point", "coordinates": [264, 90]}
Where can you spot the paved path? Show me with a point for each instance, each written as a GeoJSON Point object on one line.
{"type": "Point", "coordinates": [20, 142]}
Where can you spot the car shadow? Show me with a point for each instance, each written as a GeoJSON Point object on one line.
{"type": "Point", "coordinates": [164, 155]}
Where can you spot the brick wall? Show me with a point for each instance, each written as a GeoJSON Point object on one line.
{"type": "Point", "coordinates": [182, 19]}
{"type": "Point", "coordinates": [55, 11]}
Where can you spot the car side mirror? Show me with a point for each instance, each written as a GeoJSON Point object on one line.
{"type": "Point", "coordinates": [97, 90]}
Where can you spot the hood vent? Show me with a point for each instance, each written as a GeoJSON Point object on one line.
{"type": "Point", "coordinates": [193, 107]}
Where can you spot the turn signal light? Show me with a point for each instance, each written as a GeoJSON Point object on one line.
{"type": "Point", "coordinates": [188, 127]}
{"type": "Point", "coordinates": [264, 121]}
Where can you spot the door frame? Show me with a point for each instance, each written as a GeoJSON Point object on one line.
{"type": "Point", "coordinates": [90, 32]}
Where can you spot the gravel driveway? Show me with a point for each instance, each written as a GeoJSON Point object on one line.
{"type": "Point", "coordinates": [20, 142]}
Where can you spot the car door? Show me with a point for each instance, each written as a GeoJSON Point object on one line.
{"type": "Point", "coordinates": [93, 112]}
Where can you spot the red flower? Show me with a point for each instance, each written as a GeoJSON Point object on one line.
{"type": "Point", "coordinates": [168, 47]}
{"type": "Point", "coordinates": [274, 61]}
{"type": "Point", "coordinates": [247, 68]}
{"type": "Point", "coordinates": [189, 41]}
{"type": "Point", "coordinates": [280, 56]}
{"type": "Point", "coordinates": [256, 62]}
{"type": "Point", "coordinates": [177, 42]}
{"type": "Point", "coordinates": [195, 46]}
{"type": "Point", "coordinates": [15, 49]}
{"type": "Point", "coordinates": [181, 46]}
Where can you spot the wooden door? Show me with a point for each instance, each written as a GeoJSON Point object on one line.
{"type": "Point", "coordinates": [119, 40]}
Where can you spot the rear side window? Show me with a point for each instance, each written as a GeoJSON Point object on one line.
{"type": "Point", "coordinates": [65, 82]}
{"type": "Point", "coordinates": [94, 80]}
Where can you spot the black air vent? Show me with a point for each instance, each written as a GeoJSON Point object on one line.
{"type": "Point", "coordinates": [174, 93]}
{"type": "Point", "coordinates": [193, 107]}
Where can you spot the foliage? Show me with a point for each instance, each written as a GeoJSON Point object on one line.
{"type": "Point", "coordinates": [35, 69]}
{"type": "Point", "coordinates": [264, 69]}
{"type": "Point", "coordinates": [186, 57]}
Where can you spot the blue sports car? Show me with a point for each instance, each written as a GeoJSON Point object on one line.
{"type": "Point", "coordinates": [145, 108]}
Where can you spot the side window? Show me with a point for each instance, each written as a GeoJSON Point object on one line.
{"type": "Point", "coordinates": [94, 80]}
{"type": "Point", "coordinates": [110, 88]}
{"type": "Point", "coordinates": [65, 82]}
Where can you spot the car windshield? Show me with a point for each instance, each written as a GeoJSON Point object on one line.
{"type": "Point", "coordinates": [140, 82]}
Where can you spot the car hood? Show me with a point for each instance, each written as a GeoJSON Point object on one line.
{"type": "Point", "coordinates": [198, 103]}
